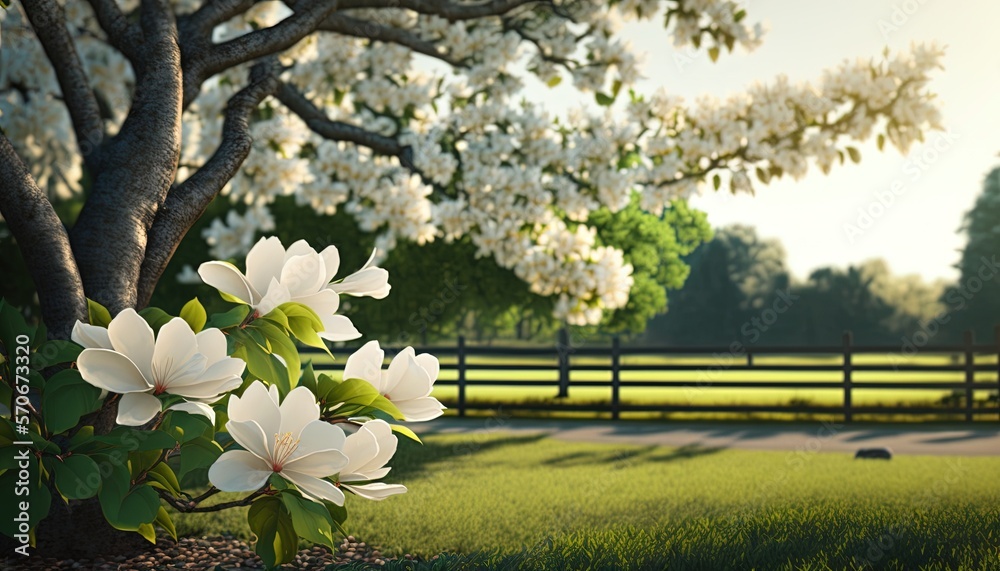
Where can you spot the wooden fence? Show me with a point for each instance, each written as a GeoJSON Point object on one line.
{"type": "Point", "coordinates": [564, 359]}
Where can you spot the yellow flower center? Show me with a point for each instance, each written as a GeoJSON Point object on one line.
{"type": "Point", "coordinates": [284, 446]}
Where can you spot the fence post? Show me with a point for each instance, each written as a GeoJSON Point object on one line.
{"type": "Point", "coordinates": [848, 413]}
{"type": "Point", "coordinates": [970, 374]}
{"type": "Point", "coordinates": [615, 378]}
{"type": "Point", "coordinates": [461, 375]}
{"type": "Point", "coordinates": [562, 350]}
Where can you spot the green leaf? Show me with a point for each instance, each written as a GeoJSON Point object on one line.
{"type": "Point", "coordinates": [147, 531]}
{"type": "Point", "coordinates": [163, 520]}
{"type": "Point", "coordinates": [185, 427]}
{"type": "Point", "coordinates": [66, 398]}
{"type": "Point", "coordinates": [308, 378]}
{"type": "Point", "coordinates": [77, 477]}
{"type": "Point", "coordinates": [98, 314]}
{"type": "Point", "coordinates": [603, 99]}
{"type": "Point", "coordinates": [55, 352]}
{"type": "Point", "coordinates": [270, 522]}
{"type": "Point", "coordinates": [554, 81]}
{"type": "Point", "coordinates": [359, 394]}
{"type": "Point", "coordinates": [716, 181]}
{"type": "Point", "coordinates": [199, 453]}
{"type": "Point", "coordinates": [281, 344]}
{"type": "Point", "coordinates": [124, 507]}
{"type": "Point", "coordinates": [305, 325]}
{"type": "Point", "coordinates": [194, 313]}
{"type": "Point", "coordinates": [277, 317]}
{"type": "Point", "coordinates": [311, 521]}
{"type": "Point", "coordinates": [880, 141]}
{"type": "Point", "coordinates": [134, 440]}
{"type": "Point", "coordinates": [713, 53]}
{"type": "Point", "coordinates": [405, 431]}
{"type": "Point", "coordinates": [230, 318]}
{"type": "Point", "coordinates": [854, 154]}
{"type": "Point", "coordinates": [338, 514]}
{"type": "Point", "coordinates": [164, 475]}
{"type": "Point", "coordinates": [155, 317]}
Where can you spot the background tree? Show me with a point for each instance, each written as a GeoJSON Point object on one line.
{"type": "Point", "coordinates": [732, 276]}
{"type": "Point", "coordinates": [149, 109]}
{"type": "Point", "coordinates": [974, 302]}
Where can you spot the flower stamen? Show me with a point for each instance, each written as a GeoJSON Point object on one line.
{"type": "Point", "coordinates": [284, 446]}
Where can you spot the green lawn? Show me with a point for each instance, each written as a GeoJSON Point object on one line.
{"type": "Point", "coordinates": [528, 502]}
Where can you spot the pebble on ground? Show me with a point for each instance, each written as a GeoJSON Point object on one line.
{"type": "Point", "coordinates": [207, 553]}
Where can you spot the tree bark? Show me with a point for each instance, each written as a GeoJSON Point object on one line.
{"type": "Point", "coordinates": [137, 169]}
{"type": "Point", "coordinates": [44, 244]}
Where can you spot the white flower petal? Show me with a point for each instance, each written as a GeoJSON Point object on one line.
{"type": "Point", "coordinates": [264, 262]}
{"type": "Point", "coordinates": [90, 336]}
{"type": "Point", "coordinates": [238, 471]}
{"type": "Point", "coordinates": [194, 407]}
{"type": "Point", "coordinates": [408, 380]}
{"type": "Point", "coordinates": [136, 409]}
{"type": "Point", "coordinates": [111, 371]}
{"type": "Point", "coordinates": [224, 277]}
{"type": "Point", "coordinates": [321, 464]}
{"type": "Point", "coordinates": [251, 436]}
{"type": "Point", "coordinates": [298, 410]}
{"type": "Point", "coordinates": [338, 328]}
{"type": "Point", "coordinates": [421, 409]}
{"type": "Point", "coordinates": [257, 405]}
{"type": "Point", "coordinates": [304, 275]}
{"type": "Point", "coordinates": [366, 363]}
{"type": "Point", "coordinates": [376, 491]}
{"type": "Point", "coordinates": [174, 357]}
{"type": "Point", "coordinates": [331, 259]}
{"type": "Point", "coordinates": [131, 336]}
{"type": "Point", "coordinates": [318, 436]}
{"type": "Point", "coordinates": [212, 344]}
{"type": "Point", "coordinates": [314, 488]}
{"type": "Point", "coordinates": [430, 364]}
{"type": "Point", "coordinates": [369, 282]}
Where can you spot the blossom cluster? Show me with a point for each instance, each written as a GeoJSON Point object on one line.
{"type": "Point", "coordinates": [481, 164]}
{"type": "Point", "coordinates": [178, 368]}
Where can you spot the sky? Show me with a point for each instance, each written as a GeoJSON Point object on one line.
{"type": "Point", "coordinates": [816, 217]}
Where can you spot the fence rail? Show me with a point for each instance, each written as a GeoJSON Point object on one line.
{"type": "Point", "coordinates": [563, 359]}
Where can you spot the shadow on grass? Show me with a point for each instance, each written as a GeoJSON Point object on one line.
{"type": "Point", "coordinates": [625, 458]}
{"type": "Point", "coordinates": [413, 459]}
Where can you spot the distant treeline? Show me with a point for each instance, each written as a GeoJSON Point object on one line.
{"type": "Point", "coordinates": [739, 289]}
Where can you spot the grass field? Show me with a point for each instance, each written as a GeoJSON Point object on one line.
{"type": "Point", "coordinates": [529, 502]}
{"type": "Point", "coordinates": [713, 369]}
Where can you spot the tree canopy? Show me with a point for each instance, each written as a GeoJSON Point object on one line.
{"type": "Point", "coordinates": [407, 116]}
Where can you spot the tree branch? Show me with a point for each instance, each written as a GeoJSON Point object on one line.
{"type": "Point", "coordinates": [257, 44]}
{"type": "Point", "coordinates": [192, 507]}
{"type": "Point", "coordinates": [323, 126]}
{"type": "Point", "coordinates": [187, 201]}
{"type": "Point", "coordinates": [48, 19]}
{"type": "Point", "coordinates": [122, 34]}
{"type": "Point", "coordinates": [452, 11]}
{"type": "Point", "coordinates": [44, 245]}
{"type": "Point", "coordinates": [215, 12]}
{"type": "Point", "coordinates": [348, 26]}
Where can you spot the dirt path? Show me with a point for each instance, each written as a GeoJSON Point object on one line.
{"type": "Point", "coordinates": [955, 440]}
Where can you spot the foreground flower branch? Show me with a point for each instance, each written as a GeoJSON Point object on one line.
{"type": "Point", "coordinates": [221, 402]}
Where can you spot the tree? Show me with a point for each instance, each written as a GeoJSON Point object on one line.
{"type": "Point", "coordinates": [150, 109]}
{"type": "Point", "coordinates": [732, 276]}
{"type": "Point", "coordinates": [974, 302]}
